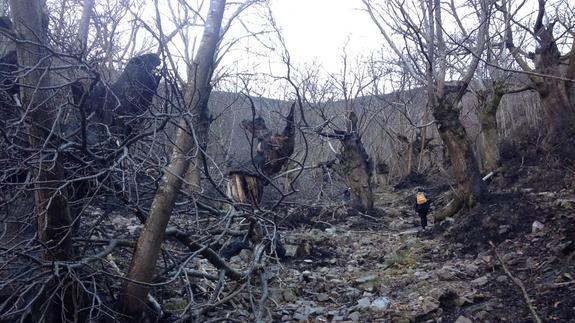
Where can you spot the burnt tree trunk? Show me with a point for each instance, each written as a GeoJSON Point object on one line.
{"type": "Point", "coordinates": [54, 221]}
{"type": "Point", "coordinates": [356, 167]}
{"type": "Point", "coordinates": [470, 185]}
{"type": "Point", "coordinates": [557, 92]}
{"type": "Point", "coordinates": [149, 243]}
{"type": "Point", "coordinates": [53, 214]}
{"type": "Point", "coordinates": [489, 101]}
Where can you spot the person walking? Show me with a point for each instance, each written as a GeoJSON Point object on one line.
{"type": "Point", "coordinates": [422, 205]}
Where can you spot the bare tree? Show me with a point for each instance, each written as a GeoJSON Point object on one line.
{"type": "Point", "coordinates": [553, 73]}
{"type": "Point", "coordinates": [423, 27]}
{"type": "Point", "coordinates": [197, 94]}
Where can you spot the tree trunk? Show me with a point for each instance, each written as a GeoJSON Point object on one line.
{"type": "Point", "coordinates": [148, 247]}
{"type": "Point", "coordinates": [54, 221]}
{"type": "Point", "coordinates": [53, 214]}
{"type": "Point", "coordinates": [489, 103]}
{"type": "Point", "coordinates": [470, 186]}
{"type": "Point", "coordinates": [356, 168]}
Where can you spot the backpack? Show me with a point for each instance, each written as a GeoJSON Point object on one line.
{"type": "Point", "coordinates": [421, 199]}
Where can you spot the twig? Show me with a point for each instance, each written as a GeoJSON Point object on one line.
{"type": "Point", "coordinates": [517, 282]}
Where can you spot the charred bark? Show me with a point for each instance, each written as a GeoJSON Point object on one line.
{"type": "Point", "coordinates": [470, 186]}
{"type": "Point", "coordinates": [557, 91]}
{"type": "Point", "coordinates": [356, 167]}
{"type": "Point", "coordinates": [489, 101]}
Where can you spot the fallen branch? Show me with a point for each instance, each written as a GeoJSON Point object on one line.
{"type": "Point", "coordinates": [517, 282]}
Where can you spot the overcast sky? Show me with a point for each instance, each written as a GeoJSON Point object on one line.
{"type": "Point", "coordinates": [317, 30]}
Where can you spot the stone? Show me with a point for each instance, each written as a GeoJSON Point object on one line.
{"type": "Point", "coordinates": [364, 302]}
{"type": "Point", "coordinates": [565, 203]}
{"type": "Point", "coordinates": [501, 279]}
{"type": "Point", "coordinates": [537, 226]}
{"type": "Point", "coordinates": [471, 268]}
{"type": "Point", "coordinates": [483, 280]}
{"type": "Point", "coordinates": [366, 278]}
{"type": "Point", "coordinates": [421, 275]}
{"type": "Point", "coordinates": [380, 304]}
{"type": "Point", "coordinates": [322, 297]}
{"type": "Point", "coordinates": [445, 273]}
{"type": "Point", "coordinates": [463, 319]}
{"type": "Point", "coordinates": [300, 316]}
{"type": "Point", "coordinates": [503, 229]}
{"type": "Point", "coordinates": [429, 305]}
{"type": "Point", "coordinates": [291, 250]}
{"type": "Point", "coordinates": [288, 295]}
{"type": "Point", "coordinates": [354, 316]}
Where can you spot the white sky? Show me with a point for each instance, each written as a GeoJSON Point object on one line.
{"type": "Point", "coordinates": [317, 30]}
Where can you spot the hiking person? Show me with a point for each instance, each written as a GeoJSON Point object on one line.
{"type": "Point", "coordinates": [422, 207]}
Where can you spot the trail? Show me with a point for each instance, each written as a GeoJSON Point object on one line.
{"type": "Point", "coordinates": [355, 268]}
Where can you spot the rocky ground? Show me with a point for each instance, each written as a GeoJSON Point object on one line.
{"type": "Point", "coordinates": [344, 266]}
{"type": "Point", "coordinates": [382, 268]}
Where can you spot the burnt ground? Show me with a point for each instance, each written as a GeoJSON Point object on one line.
{"type": "Point", "coordinates": [379, 267]}
{"type": "Point", "coordinates": [348, 266]}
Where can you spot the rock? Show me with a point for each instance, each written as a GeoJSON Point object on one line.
{"type": "Point", "coordinates": [319, 310]}
{"type": "Point", "coordinates": [322, 297]}
{"type": "Point", "coordinates": [463, 319]}
{"type": "Point", "coordinates": [429, 305]}
{"type": "Point", "coordinates": [366, 278]}
{"type": "Point", "coordinates": [470, 268]}
{"type": "Point", "coordinates": [503, 229]}
{"type": "Point", "coordinates": [286, 318]}
{"type": "Point", "coordinates": [380, 304]}
{"type": "Point", "coordinates": [300, 316]}
{"type": "Point", "coordinates": [288, 295]}
{"type": "Point", "coordinates": [364, 302]}
{"type": "Point", "coordinates": [537, 226]}
{"type": "Point", "coordinates": [291, 250]}
{"type": "Point", "coordinates": [445, 273]}
{"type": "Point", "coordinates": [354, 316]}
{"type": "Point", "coordinates": [501, 279]}
{"type": "Point", "coordinates": [483, 280]}
{"type": "Point", "coordinates": [421, 275]}
{"type": "Point", "coordinates": [565, 203]}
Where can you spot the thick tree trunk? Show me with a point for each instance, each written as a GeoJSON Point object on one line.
{"type": "Point", "coordinates": [470, 186]}
{"type": "Point", "coordinates": [53, 214]}
{"type": "Point", "coordinates": [489, 102]}
{"type": "Point", "coordinates": [148, 247]}
{"type": "Point", "coordinates": [54, 221]}
{"type": "Point", "coordinates": [356, 168]}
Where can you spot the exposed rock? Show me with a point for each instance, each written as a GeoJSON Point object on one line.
{"type": "Point", "coordinates": [366, 278]}
{"type": "Point", "coordinates": [364, 302]}
{"type": "Point", "coordinates": [429, 305]}
{"type": "Point", "coordinates": [380, 304]}
{"type": "Point", "coordinates": [463, 319]}
{"type": "Point", "coordinates": [322, 297]}
{"type": "Point", "coordinates": [565, 203]}
{"type": "Point", "coordinates": [445, 273]}
{"type": "Point", "coordinates": [483, 280]}
{"type": "Point", "coordinates": [354, 316]}
{"type": "Point", "coordinates": [537, 226]}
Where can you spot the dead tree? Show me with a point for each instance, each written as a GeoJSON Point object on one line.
{"type": "Point", "coordinates": [355, 166]}
{"type": "Point", "coordinates": [443, 97]}
{"type": "Point", "coordinates": [272, 153]}
{"type": "Point", "coordinates": [552, 77]}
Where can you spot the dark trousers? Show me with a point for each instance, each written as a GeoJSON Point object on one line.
{"type": "Point", "coordinates": [423, 217]}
